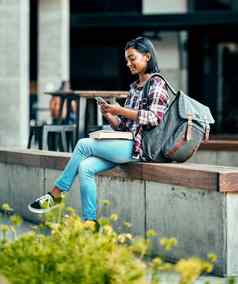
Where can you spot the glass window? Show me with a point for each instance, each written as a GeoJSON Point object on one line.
{"type": "Point", "coordinates": [109, 6]}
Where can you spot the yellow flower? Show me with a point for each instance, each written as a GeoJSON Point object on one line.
{"type": "Point", "coordinates": [127, 224]}
{"type": "Point", "coordinates": [128, 236]}
{"type": "Point", "coordinates": [190, 269]}
{"type": "Point", "coordinates": [114, 217]}
{"type": "Point", "coordinates": [121, 238]}
{"type": "Point", "coordinates": [107, 229]}
{"type": "Point", "coordinates": [207, 267]}
{"type": "Point", "coordinates": [105, 202]}
{"type": "Point", "coordinates": [70, 211]}
{"type": "Point", "coordinates": [4, 228]}
{"type": "Point", "coordinates": [139, 246]}
{"type": "Point", "coordinates": [212, 257]}
{"type": "Point", "coordinates": [168, 243]}
{"type": "Point", "coordinates": [151, 233]}
{"type": "Point", "coordinates": [166, 267]}
{"type": "Point", "coordinates": [6, 208]}
{"type": "Point", "coordinates": [16, 220]}
{"type": "Point", "coordinates": [157, 262]}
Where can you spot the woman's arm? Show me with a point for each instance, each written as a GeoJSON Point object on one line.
{"type": "Point", "coordinates": [116, 109]}
{"type": "Point", "coordinates": [157, 98]}
{"type": "Point", "coordinates": [152, 116]}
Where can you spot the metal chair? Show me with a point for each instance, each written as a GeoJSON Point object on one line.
{"type": "Point", "coordinates": [36, 133]}
{"type": "Point", "coordinates": [60, 131]}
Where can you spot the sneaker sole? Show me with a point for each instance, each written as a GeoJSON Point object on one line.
{"type": "Point", "coordinates": [39, 211]}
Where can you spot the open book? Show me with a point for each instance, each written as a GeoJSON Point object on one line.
{"type": "Point", "coordinates": [111, 134]}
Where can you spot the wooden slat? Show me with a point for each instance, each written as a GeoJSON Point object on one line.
{"type": "Point", "coordinates": [220, 145]}
{"type": "Point", "coordinates": [194, 178]}
{"type": "Point", "coordinates": [131, 171]}
{"type": "Point", "coordinates": [35, 158]}
{"type": "Point", "coordinates": [228, 182]}
{"type": "Point", "coordinates": [90, 94]}
{"type": "Point", "coordinates": [105, 94]}
{"type": "Point", "coordinates": [207, 180]}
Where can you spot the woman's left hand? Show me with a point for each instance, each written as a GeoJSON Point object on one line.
{"type": "Point", "coordinates": [114, 109]}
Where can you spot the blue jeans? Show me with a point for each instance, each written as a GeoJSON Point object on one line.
{"type": "Point", "coordinates": [90, 157]}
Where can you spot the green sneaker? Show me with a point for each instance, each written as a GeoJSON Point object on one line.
{"type": "Point", "coordinates": [45, 203]}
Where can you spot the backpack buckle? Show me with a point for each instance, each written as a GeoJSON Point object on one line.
{"type": "Point", "coordinates": [207, 131]}
{"type": "Point", "coordinates": [190, 125]}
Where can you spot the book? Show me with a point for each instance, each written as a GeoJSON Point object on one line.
{"type": "Point", "coordinates": [111, 134]}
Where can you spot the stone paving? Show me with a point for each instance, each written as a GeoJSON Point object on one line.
{"type": "Point", "coordinates": [172, 278]}
{"type": "Point", "coordinates": [24, 227]}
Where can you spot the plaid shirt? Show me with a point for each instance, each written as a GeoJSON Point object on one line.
{"type": "Point", "coordinates": [150, 117]}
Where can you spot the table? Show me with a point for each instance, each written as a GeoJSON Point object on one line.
{"type": "Point", "coordinates": [81, 98]}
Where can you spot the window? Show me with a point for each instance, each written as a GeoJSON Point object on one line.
{"type": "Point", "coordinates": [212, 5]}
{"type": "Point", "coordinates": [109, 6]}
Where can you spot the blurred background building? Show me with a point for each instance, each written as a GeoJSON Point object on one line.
{"type": "Point", "coordinates": [43, 42]}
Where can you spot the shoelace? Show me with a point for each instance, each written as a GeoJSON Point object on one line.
{"type": "Point", "coordinates": [46, 198]}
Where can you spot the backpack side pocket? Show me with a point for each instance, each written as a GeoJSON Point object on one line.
{"type": "Point", "coordinates": [178, 148]}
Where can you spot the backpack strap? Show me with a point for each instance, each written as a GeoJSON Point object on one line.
{"type": "Point", "coordinates": [147, 86]}
{"type": "Point", "coordinates": [167, 83]}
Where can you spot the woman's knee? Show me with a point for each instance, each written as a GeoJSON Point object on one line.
{"type": "Point", "coordinates": [83, 142]}
{"type": "Point", "coordinates": [87, 167]}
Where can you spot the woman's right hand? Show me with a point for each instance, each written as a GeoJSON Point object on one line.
{"type": "Point", "coordinates": [112, 119]}
{"type": "Point", "coordinates": [103, 110]}
{"type": "Point", "coordinates": [108, 116]}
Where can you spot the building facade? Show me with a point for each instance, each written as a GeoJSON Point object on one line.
{"type": "Point", "coordinates": [44, 42]}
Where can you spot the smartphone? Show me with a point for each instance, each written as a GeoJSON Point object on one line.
{"type": "Point", "coordinates": [100, 100]}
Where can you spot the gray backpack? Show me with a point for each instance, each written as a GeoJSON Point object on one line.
{"type": "Point", "coordinates": [185, 124]}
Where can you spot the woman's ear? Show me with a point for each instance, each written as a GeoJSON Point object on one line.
{"type": "Point", "coordinates": [148, 57]}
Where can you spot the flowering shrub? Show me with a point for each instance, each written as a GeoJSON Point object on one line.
{"type": "Point", "coordinates": [64, 250]}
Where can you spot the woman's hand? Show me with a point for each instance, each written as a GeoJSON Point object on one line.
{"type": "Point", "coordinates": [114, 109]}
{"type": "Point", "coordinates": [112, 119]}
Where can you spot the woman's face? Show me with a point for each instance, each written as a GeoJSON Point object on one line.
{"type": "Point", "coordinates": [136, 61]}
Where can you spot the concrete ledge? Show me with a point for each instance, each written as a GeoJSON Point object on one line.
{"type": "Point", "coordinates": [207, 177]}
{"type": "Point", "coordinates": [196, 203]}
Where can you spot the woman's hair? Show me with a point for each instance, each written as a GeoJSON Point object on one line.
{"type": "Point", "coordinates": [144, 45]}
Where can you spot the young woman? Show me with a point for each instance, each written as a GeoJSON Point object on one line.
{"type": "Point", "coordinates": [92, 156]}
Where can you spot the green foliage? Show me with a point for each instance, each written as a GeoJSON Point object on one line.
{"type": "Point", "coordinates": [64, 250]}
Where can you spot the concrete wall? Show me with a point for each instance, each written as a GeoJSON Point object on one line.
{"type": "Point", "coordinates": [167, 52]}
{"type": "Point", "coordinates": [53, 51]}
{"type": "Point", "coordinates": [197, 219]}
{"type": "Point", "coordinates": [202, 221]}
{"type": "Point", "coordinates": [14, 72]}
{"type": "Point", "coordinates": [170, 49]}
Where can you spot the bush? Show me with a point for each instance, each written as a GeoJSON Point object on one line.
{"type": "Point", "coordinates": [68, 252]}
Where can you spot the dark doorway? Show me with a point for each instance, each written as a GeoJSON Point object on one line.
{"type": "Point", "coordinates": [33, 58]}
{"type": "Point", "coordinates": [213, 75]}
{"type": "Point", "coordinates": [97, 55]}
{"type": "Point", "coordinates": [98, 62]}
{"type": "Point", "coordinates": [228, 84]}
